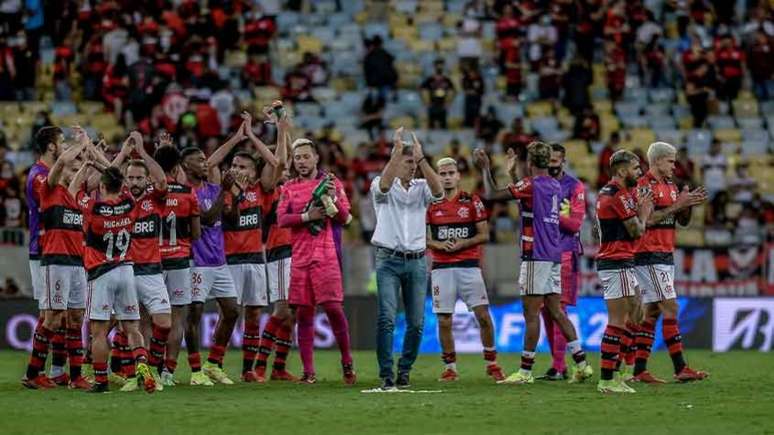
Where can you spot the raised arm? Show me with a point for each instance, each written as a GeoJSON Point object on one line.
{"type": "Point", "coordinates": [390, 171]}
{"type": "Point", "coordinates": [433, 180]}
{"type": "Point", "coordinates": [258, 144]}
{"type": "Point", "coordinates": [64, 159]}
{"type": "Point", "coordinates": [271, 175]}
{"type": "Point", "coordinates": [491, 192]}
{"type": "Point", "coordinates": [155, 172]}
{"type": "Point", "coordinates": [213, 163]}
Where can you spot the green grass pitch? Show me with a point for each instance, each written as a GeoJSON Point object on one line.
{"type": "Point", "coordinates": [737, 399]}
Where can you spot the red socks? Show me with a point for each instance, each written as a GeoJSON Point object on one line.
{"type": "Point", "coordinates": [75, 351]}
{"type": "Point", "coordinates": [250, 346]}
{"type": "Point", "coordinates": [610, 351]}
{"type": "Point", "coordinates": [268, 338]}
{"type": "Point", "coordinates": [40, 342]}
{"type": "Point", "coordinates": [216, 354]}
{"type": "Point", "coordinates": [158, 345]}
{"type": "Point", "coordinates": [643, 342]}
{"type": "Point", "coordinates": [674, 342]}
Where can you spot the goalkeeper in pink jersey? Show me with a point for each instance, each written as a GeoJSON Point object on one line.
{"type": "Point", "coordinates": [314, 206]}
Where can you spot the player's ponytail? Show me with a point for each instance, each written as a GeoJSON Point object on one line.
{"type": "Point", "coordinates": [112, 179]}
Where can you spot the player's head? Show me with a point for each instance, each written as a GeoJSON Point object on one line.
{"type": "Point", "coordinates": [408, 166]}
{"type": "Point", "coordinates": [111, 181]}
{"type": "Point", "coordinates": [625, 165]}
{"type": "Point", "coordinates": [69, 171]}
{"type": "Point", "coordinates": [447, 170]}
{"type": "Point", "coordinates": [136, 177]}
{"type": "Point", "coordinates": [194, 162]}
{"type": "Point", "coordinates": [556, 164]}
{"type": "Point", "coordinates": [246, 165]}
{"type": "Point", "coordinates": [49, 140]}
{"type": "Point", "coordinates": [305, 157]}
{"type": "Point", "coordinates": [661, 157]}
{"type": "Point", "coordinates": [538, 156]}
{"type": "Point", "coordinates": [168, 157]}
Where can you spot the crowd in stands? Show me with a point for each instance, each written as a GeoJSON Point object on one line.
{"type": "Point", "coordinates": [593, 74]}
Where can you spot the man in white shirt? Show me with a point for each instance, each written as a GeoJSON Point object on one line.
{"type": "Point", "coordinates": [401, 202]}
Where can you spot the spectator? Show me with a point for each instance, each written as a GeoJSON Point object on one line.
{"type": "Point", "coordinates": [760, 64]}
{"type": "Point", "coordinates": [741, 185]}
{"type": "Point", "coordinates": [25, 63]}
{"type": "Point", "coordinates": [93, 68]}
{"type": "Point", "coordinates": [684, 169]}
{"type": "Point", "coordinates": [7, 70]}
{"type": "Point", "coordinates": [550, 77]}
{"type": "Point", "coordinates": [142, 88]}
{"type": "Point", "coordinates": [298, 87]}
{"type": "Point", "coordinates": [489, 127]}
{"type": "Point", "coordinates": [518, 140]}
{"type": "Point", "coordinates": [587, 126]}
{"type": "Point", "coordinates": [115, 86]}
{"type": "Point", "coordinates": [713, 169]}
{"type": "Point", "coordinates": [615, 65]}
{"type": "Point", "coordinates": [513, 67]}
{"type": "Point", "coordinates": [33, 25]}
{"type": "Point", "coordinates": [438, 93]}
{"type": "Point", "coordinates": [258, 31]}
{"type": "Point", "coordinates": [13, 207]}
{"type": "Point", "coordinates": [225, 104]}
{"type": "Point", "coordinates": [378, 67]}
{"type": "Point", "coordinates": [653, 62]}
{"type": "Point", "coordinates": [542, 36]}
{"type": "Point", "coordinates": [372, 112]}
{"type": "Point", "coordinates": [257, 71]}
{"type": "Point", "coordinates": [603, 165]}
{"type": "Point", "coordinates": [576, 82]}
{"type": "Point", "coordinates": [11, 13]}
{"type": "Point", "coordinates": [314, 68]}
{"type": "Point", "coordinates": [469, 42]}
{"type": "Point", "coordinates": [473, 87]}
{"type": "Point", "coordinates": [730, 62]}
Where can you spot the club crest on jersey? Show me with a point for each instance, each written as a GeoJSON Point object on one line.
{"type": "Point", "coordinates": [463, 212]}
{"type": "Point", "coordinates": [627, 202]}
{"type": "Point", "coordinates": [105, 210]}
{"type": "Point", "coordinates": [673, 195]}
{"type": "Point", "coordinates": [251, 196]}
{"type": "Point", "coordinates": [84, 201]}
{"type": "Point", "coordinates": [147, 205]}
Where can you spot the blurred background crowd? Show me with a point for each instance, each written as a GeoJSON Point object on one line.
{"type": "Point", "coordinates": [594, 75]}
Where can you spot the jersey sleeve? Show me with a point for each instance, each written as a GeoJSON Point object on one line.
{"type": "Point", "coordinates": [39, 186]}
{"type": "Point", "coordinates": [480, 213]}
{"type": "Point", "coordinates": [522, 189]}
{"type": "Point", "coordinates": [574, 221]}
{"type": "Point", "coordinates": [623, 206]}
{"type": "Point", "coordinates": [195, 210]}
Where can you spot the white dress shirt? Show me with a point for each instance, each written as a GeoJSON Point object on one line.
{"type": "Point", "coordinates": [400, 215]}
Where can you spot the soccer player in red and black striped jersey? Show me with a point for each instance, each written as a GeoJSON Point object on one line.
{"type": "Point", "coordinates": [620, 220]}
{"type": "Point", "coordinates": [457, 227]}
{"type": "Point", "coordinates": [108, 224]}
{"type": "Point", "coordinates": [180, 226]}
{"type": "Point", "coordinates": [655, 268]}
{"type": "Point", "coordinates": [64, 281]}
{"type": "Point", "coordinates": [243, 234]}
{"type": "Point", "coordinates": [144, 250]}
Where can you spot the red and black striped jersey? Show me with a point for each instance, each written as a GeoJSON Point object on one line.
{"type": "Point", "coordinates": [181, 207]}
{"type": "Point", "coordinates": [243, 236]}
{"type": "Point", "coordinates": [658, 243]}
{"type": "Point", "coordinates": [61, 226]}
{"type": "Point", "coordinates": [145, 251]}
{"type": "Point", "coordinates": [108, 226]}
{"type": "Point", "coordinates": [615, 205]}
{"type": "Point", "coordinates": [456, 218]}
{"type": "Point", "coordinates": [276, 239]}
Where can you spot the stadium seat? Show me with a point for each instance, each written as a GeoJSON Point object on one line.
{"type": "Point", "coordinates": [754, 147]}
{"type": "Point", "coordinates": [698, 141]}
{"type": "Point", "coordinates": [728, 135]}
{"type": "Point", "coordinates": [661, 122]}
{"type": "Point", "coordinates": [627, 109]}
{"type": "Point", "coordinates": [721, 122]}
{"type": "Point", "coordinates": [310, 44]}
{"type": "Point", "coordinates": [539, 109]}
{"type": "Point", "coordinates": [672, 136]}
{"type": "Point", "coordinates": [750, 123]}
{"type": "Point", "coordinates": [745, 108]}
{"type": "Point", "coordinates": [634, 121]}
{"type": "Point", "coordinates": [662, 95]}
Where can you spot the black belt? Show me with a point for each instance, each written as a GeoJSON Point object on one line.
{"type": "Point", "coordinates": [406, 255]}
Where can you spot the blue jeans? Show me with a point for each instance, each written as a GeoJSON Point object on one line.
{"type": "Point", "coordinates": [393, 274]}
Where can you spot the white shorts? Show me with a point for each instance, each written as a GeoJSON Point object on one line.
{"type": "Point", "coordinates": [657, 282]}
{"type": "Point", "coordinates": [250, 283]}
{"type": "Point", "coordinates": [178, 283]}
{"type": "Point", "coordinates": [64, 287]}
{"type": "Point", "coordinates": [114, 292]}
{"type": "Point", "coordinates": [467, 283]}
{"type": "Point", "coordinates": [279, 279]}
{"type": "Point", "coordinates": [618, 283]}
{"type": "Point", "coordinates": [152, 293]}
{"type": "Point", "coordinates": [540, 278]}
{"type": "Point", "coordinates": [210, 283]}
{"type": "Point", "coordinates": [38, 287]}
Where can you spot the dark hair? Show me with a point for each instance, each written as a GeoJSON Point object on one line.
{"type": "Point", "coordinates": [167, 157]}
{"type": "Point", "coordinates": [559, 148]}
{"type": "Point", "coordinates": [621, 157]}
{"type": "Point", "coordinates": [139, 163]}
{"type": "Point", "coordinates": [539, 154]}
{"type": "Point", "coordinates": [249, 156]}
{"type": "Point", "coordinates": [113, 179]}
{"type": "Point", "coordinates": [188, 151]}
{"type": "Point", "coordinates": [45, 136]}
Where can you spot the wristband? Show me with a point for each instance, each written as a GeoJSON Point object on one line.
{"type": "Point", "coordinates": [305, 216]}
